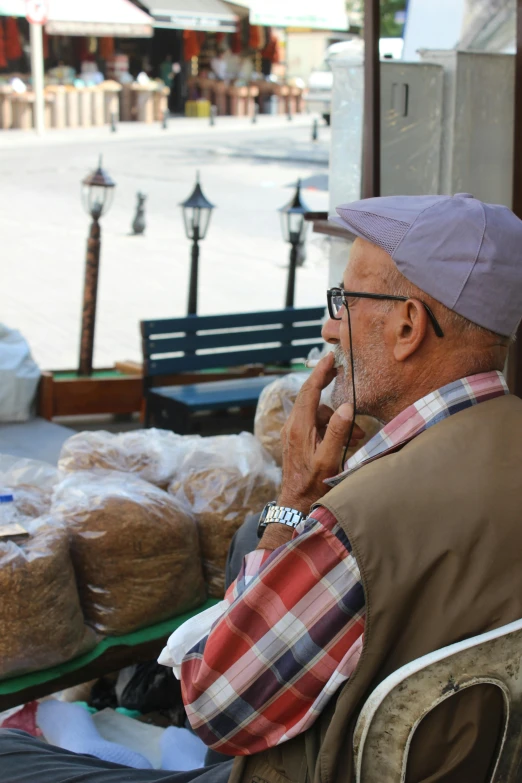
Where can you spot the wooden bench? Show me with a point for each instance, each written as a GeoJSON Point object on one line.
{"type": "Point", "coordinates": [271, 340]}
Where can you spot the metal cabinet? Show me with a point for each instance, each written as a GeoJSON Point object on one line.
{"type": "Point", "coordinates": [477, 123]}
{"type": "Point", "coordinates": [411, 127]}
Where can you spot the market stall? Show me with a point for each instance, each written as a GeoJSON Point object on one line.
{"type": "Point", "coordinates": [84, 71]}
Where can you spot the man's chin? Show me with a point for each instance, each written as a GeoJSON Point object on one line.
{"type": "Point", "coordinates": [340, 392]}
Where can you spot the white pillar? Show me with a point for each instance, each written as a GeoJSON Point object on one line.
{"type": "Point", "coordinates": [37, 71]}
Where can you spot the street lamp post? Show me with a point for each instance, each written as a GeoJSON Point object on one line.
{"type": "Point", "coordinates": [97, 195]}
{"type": "Point", "coordinates": [197, 211]}
{"type": "Point", "coordinates": [294, 230]}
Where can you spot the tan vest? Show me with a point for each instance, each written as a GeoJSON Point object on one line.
{"type": "Point", "coordinates": [436, 529]}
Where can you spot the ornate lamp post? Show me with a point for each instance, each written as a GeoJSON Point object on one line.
{"type": "Point", "coordinates": [294, 230]}
{"type": "Point", "coordinates": [197, 211]}
{"type": "Point", "coordinates": [97, 195]}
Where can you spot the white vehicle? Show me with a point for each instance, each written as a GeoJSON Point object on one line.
{"type": "Point", "coordinates": [319, 95]}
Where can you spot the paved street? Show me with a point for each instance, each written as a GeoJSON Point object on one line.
{"type": "Point", "coordinates": [247, 170]}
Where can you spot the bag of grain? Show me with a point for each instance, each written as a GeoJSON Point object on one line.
{"type": "Point", "coordinates": [223, 479]}
{"type": "Point", "coordinates": [273, 409]}
{"type": "Point", "coordinates": [135, 550]}
{"type": "Point", "coordinates": [275, 405]}
{"type": "Point", "coordinates": [152, 454]}
{"type": "Point", "coordinates": [40, 615]}
{"type": "Point", "coordinates": [31, 483]}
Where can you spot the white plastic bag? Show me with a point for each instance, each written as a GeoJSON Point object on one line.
{"type": "Point", "coordinates": [19, 376]}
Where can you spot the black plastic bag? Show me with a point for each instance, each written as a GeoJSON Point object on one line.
{"type": "Point", "coordinates": [152, 687]}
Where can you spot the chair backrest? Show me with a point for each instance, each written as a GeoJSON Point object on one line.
{"type": "Point", "coordinates": [197, 342]}
{"type": "Point", "coordinates": [393, 711]}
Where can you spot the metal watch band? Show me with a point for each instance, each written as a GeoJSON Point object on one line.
{"type": "Point", "coordinates": [283, 515]}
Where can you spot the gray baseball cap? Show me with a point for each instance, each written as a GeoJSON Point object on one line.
{"type": "Point", "coordinates": [462, 252]}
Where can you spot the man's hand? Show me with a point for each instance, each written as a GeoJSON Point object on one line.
{"type": "Point", "coordinates": [313, 441]}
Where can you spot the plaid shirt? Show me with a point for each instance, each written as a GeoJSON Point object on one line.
{"type": "Point", "coordinates": [292, 629]}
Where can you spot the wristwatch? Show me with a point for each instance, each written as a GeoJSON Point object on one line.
{"type": "Point", "coordinates": [281, 514]}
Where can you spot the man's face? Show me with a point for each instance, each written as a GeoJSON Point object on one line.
{"type": "Point", "coordinates": [375, 381]}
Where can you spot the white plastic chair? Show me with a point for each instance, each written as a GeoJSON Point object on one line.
{"type": "Point", "coordinates": [393, 711]}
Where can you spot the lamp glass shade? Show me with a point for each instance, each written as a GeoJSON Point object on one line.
{"type": "Point", "coordinates": [293, 225]}
{"type": "Point", "coordinates": [197, 211]}
{"type": "Point", "coordinates": [97, 192]}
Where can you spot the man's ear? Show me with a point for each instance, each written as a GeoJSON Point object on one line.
{"type": "Point", "coordinates": [410, 327]}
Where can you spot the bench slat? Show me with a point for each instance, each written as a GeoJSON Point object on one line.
{"type": "Point", "coordinates": [271, 355]}
{"type": "Point", "coordinates": [201, 322]}
{"type": "Point", "coordinates": [193, 342]}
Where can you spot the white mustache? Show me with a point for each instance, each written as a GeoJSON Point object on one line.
{"type": "Point", "coordinates": [340, 360]}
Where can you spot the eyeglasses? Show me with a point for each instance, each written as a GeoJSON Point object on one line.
{"type": "Point", "coordinates": [337, 297]}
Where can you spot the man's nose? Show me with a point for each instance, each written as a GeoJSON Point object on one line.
{"type": "Point", "coordinates": [330, 331]}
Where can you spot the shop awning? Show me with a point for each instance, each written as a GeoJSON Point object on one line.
{"type": "Point", "coordinates": [119, 18]}
{"type": "Point", "coordinates": [212, 16]}
{"type": "Point", "coordinates": [310, 14]}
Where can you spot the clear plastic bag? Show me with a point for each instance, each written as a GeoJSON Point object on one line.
{"type": "Point", "coordinates": [40, 615]}
{"type": "Point", "coordinates": [135, 550]}
{"type": "Point", "coordinates": [31, 483]}
{"type": "Point", "coordinates": [153, 455]}
{"type": "Point", "coordinates": [223, 479]}
{"type": "Point", "coordinates": [273, 409]}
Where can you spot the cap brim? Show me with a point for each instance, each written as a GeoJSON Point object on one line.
{"type": "Point", "coordinates": [339, 221]}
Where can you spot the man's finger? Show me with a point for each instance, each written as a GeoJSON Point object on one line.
{"type": "Point", "coordinates": [324, 414]}
{"type": "Point", "coordinates": [336, 433]}
{"type": "Point", "coordinates": [307, 401]}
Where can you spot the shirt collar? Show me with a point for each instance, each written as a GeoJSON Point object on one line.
{"type": "Point", "coordinates": [424, 413]}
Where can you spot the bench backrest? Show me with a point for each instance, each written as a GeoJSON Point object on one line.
{"type": "Point", "coordinates": [196, 342]}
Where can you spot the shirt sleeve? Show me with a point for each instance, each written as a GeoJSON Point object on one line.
{"type": "Point", "coordinates": [290, 636]}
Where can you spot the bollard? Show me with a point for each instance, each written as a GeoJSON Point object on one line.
{"type": "Point", "coordinates": [164, 124]}
{"type": "Point", "coordinates": [138, 224]}
{"type": "Point", "coordinates": [113, 122]}
{"type": "Point", "coordinates": [213, 115]}
{"type": "Point", "coordinates": [256, 112]}
{"type": "Point", "coordinates": [315, 130]}
{"type": "Point", "coordinates": [289, 114]}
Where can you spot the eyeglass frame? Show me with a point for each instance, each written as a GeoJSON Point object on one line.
{"type": "Point", "coordinates": [363, 295]}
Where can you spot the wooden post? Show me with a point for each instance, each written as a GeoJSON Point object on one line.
{"type": "Point", "coordinates": [371, 169]}
{"type": "Point", "coordinates": [92, 265]}
{"type": "Point", "coordinates": [515, 353]}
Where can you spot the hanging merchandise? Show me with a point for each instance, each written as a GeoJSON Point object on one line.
{"type": "Point", "coordinates": [93, 44]}
{"type": "Point", "coordinates": [13, 50]}
{"type": "Point", "coordinates": [272, 51]}
{"type": "Point", "coordinates": [191, 45]}
{"type": "Point", "coordinates": [45, 44]}
{"type": "Point", "coordinates": [220, 38]}
{"type": "Point", "coordinates": [254, 39]}
{"type": "Point", "coordinates": [3, 61]}
{"type": "Point", "coordinates": [106, 47]}
{"type": "Point", "coordinates": [236, 43]}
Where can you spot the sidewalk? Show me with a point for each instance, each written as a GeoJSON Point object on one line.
{"type": "Point", "coordinates": [291, 140]}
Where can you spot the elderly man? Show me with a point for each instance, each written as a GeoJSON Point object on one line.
{"type": "Point", "coordinates": [413, 546]}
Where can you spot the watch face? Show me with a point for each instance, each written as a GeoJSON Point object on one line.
{"type": "Point", "coordinates": [261, 525]}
